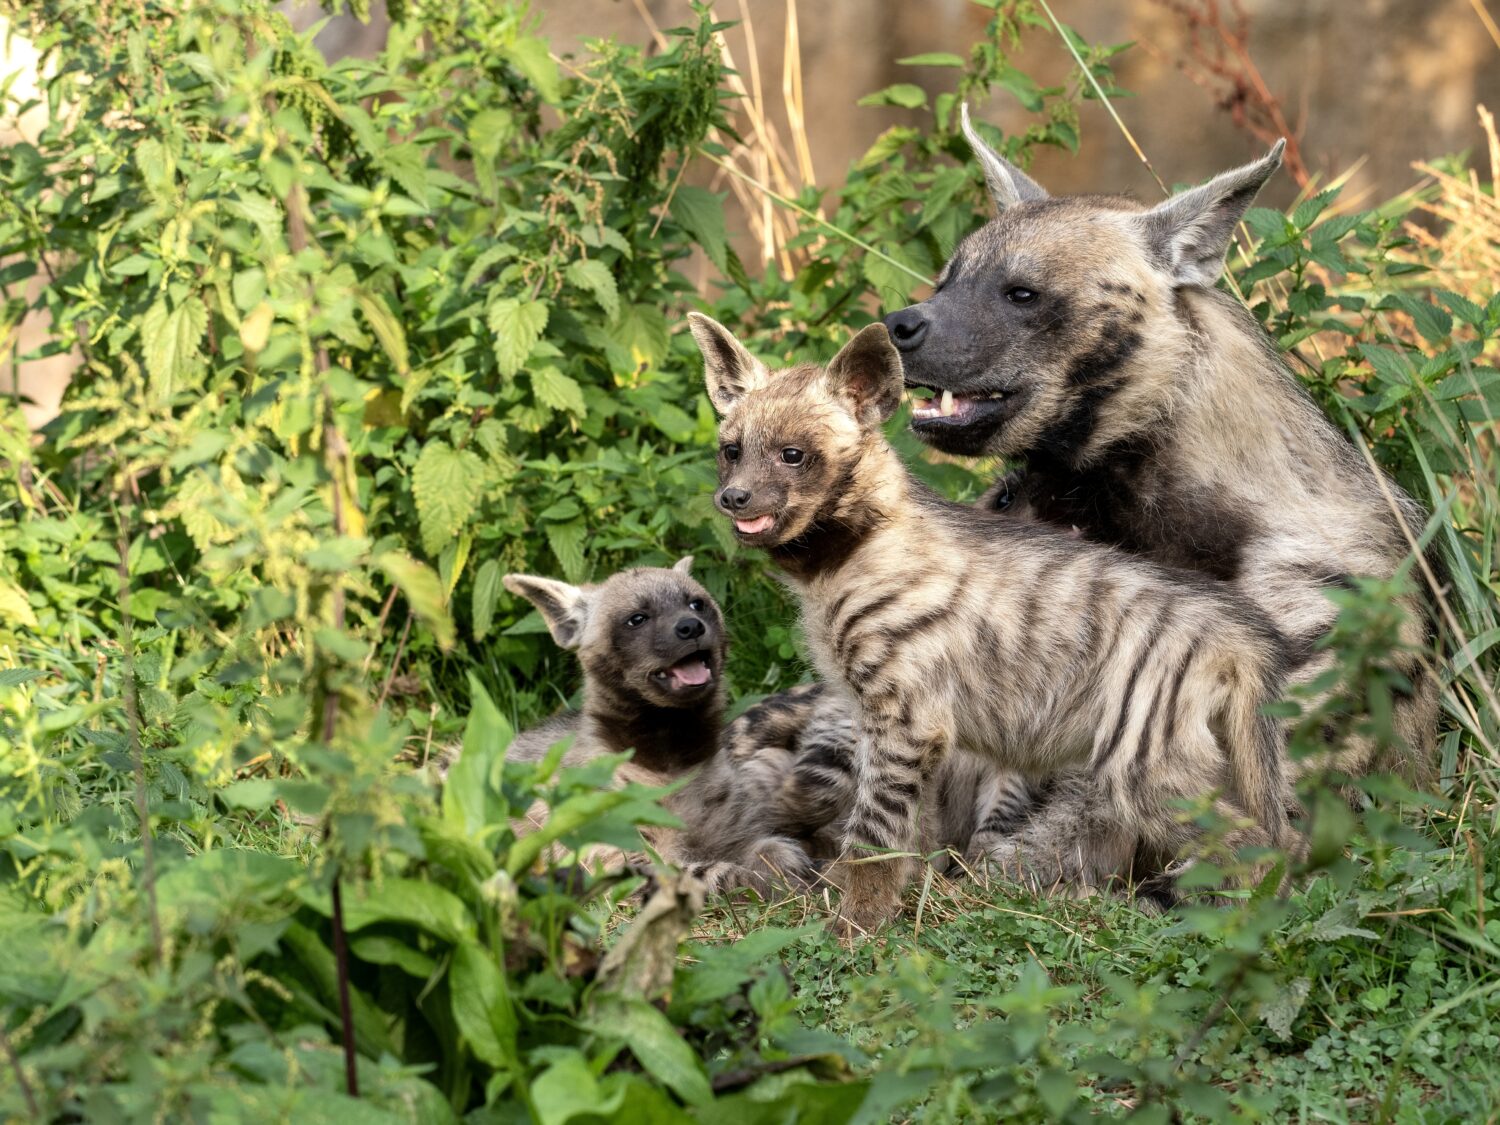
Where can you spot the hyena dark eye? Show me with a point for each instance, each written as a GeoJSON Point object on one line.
{"type": "Point", "coordinates": [731, 451]}
{"type": "Point", "coordinates": [696, 605]}
{"type": "Point", "coordinates": [635, 620]}
{"type": "Point", "coordinates": [792, 456]}
{"type": "Point", "coordinates": [1020, 295]}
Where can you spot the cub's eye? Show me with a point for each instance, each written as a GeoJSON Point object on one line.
{"type": "Point", "coordinates": [1020, 295]}
{"type": "Point", "coordinates": [792, 456]}
{"type": "Point", "coordinates": [731, 451]}
{"type": "Point", "coordinates": [635, 620]}
{"type": "Point", "coordinates": [696, 605]}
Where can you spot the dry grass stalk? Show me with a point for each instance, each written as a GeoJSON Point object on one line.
{"type": "Point", "coordinates": [1464, 254]}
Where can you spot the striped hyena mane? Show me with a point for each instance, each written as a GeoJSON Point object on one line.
{"type": "Point", "coordinates": [1083, 337]}
{"type": "Point", "coordinates": [950, 628]}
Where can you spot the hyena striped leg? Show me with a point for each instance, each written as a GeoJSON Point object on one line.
{"type": "Point", "coordinates": [1072, 841]}
{"type": "Point", "coordinates": [892, 769]}
{"type": "Point", "coordinates": [1002, 806]}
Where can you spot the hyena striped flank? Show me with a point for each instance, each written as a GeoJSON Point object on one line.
{"type": "Point", "coordinates": [950, 627]}
{"type": "Point", "coordinates": [652, 645]}
{"type": "Point", "coordinates": [1084, 336]}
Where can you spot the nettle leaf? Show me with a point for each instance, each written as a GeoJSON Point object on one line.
{"type": "Point", "coordinates": [426, 906]}
{"type": "Point", "coordinates": [517, 326]}
{"type": "Point", "coordinates": [14, 608]}
{"type": "Point", "coordinates": [932, 58]}
{"type": "Point", "coordinates": [486, 597]}
{"type": "Point", "coordinates": [559, 391]}
{"type": "Point", "coordinates": [530, 56]}
{"type": "Point", "coordinates": [701, 212]}
{"type": "Point", "coordinates": [446, 484]}
{"type": "Point", "coordinates": [594, 277]}
{"type": "Point", "coordinates": [170, 339]}
{"type": "Point", "coordinates": [903, 94]}
{"type": "Point", "coordinates": [566, 541]}
{"type": "Point", "coordinates": [423, 592]}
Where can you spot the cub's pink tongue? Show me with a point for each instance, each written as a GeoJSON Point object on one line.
{"type": "Point", "coordinates": [692, 672]}
{"type": "Point", "coordinates": [755, 526]}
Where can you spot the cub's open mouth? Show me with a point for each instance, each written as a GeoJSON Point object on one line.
{"type": "Point", "coordinates": [690, 672]}
{"type": "Point", "coordinates": [951, 409]}
{"type": "Point", "coordinates": [754, 526]}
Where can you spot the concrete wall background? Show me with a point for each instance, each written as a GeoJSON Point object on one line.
{"type": "Point", "coordinates": [1380, 82]}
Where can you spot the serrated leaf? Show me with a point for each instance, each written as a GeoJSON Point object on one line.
{"type": "Point", "coordinates": [656, 1045]}
{"type": "Point", "coordinates": [423, 593]}
{"type": "Point", "coordinates": [446, 483]}
{"type": "Point", "coordinates": [530, 56]}
{"type": "Point", "coordinates": [255, 329]}
{"type": "Point", "coordinates": [641, 332]}
{"type": "Point", "coordinates": [170, 339]}
{"type": "Point", "coordinates": [387, 329]}
{"type": "Point", "coordinates": [566, 541]}
{"type": "Point", "coordinates": [701, 213]}
{"type": "Point", "coordinates": [1280, 1012]}
{"type": "Point", "coordinates": [517, 326]}
{"type": "Point", "coordinates": [13, 677]}
{"type": "Point", "coordinates": [593, 276]}
{"type": "Point", "coordinates": [559, 391]}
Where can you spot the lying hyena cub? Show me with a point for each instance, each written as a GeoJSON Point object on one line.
{"type": "Point", "coordinates": [652, 645]}
{"type": "Point", "coordinates": [951, 628]}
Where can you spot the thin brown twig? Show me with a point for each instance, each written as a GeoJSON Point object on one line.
{"type": "Point", "coordinates": [15, 1064]}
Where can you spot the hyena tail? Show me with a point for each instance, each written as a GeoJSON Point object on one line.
{"type": "Point", "coordinates": [1257, 756]}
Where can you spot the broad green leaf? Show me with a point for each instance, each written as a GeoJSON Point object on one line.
{"type": "Point", "coordinates": [641, 332]}
{"type": "Point", "coordinates": [701, 212]}
{"type": "Point", "coordinates": [903, 94]}
{"type": "Point", "coordinates": [170, 339]}
{"type": "Point", "coordinates": [482, 1006]}
{"type": "Point", "coordinates": [566, 541]}
{"type": "Point", "coordinates": [559, 391]}
{"type": "Point", "coordinates": [255, 329]}
{"type": "Point", "coordinates": [413, 902]}
{"type": "Point", "coordinates": [568, 1089]}
{"type": "Point", "coordinates": [15, 609]}
{"type": "Point", "coordinates": [656, 1045]}
{"type": "Point", "coordinates": [387, 949]}
{"type": "Point", "coordinates": [486, 597]}
{"type": "Point", "coordinates": [486, 737]}
{"type": "Point", "coordinates": [387, 329]}
{"type": "Point", "coordinates": [932, 58]}
{"type": "Point", "coordinates": [594, 277]}
{"type": "Point", "coordinates": [423, 593]}
{"type": "Point", "coordinates": [517, 326]}
{"type": "Point", "coordinates": [446, 483]}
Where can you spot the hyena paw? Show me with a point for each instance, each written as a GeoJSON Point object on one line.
{"type": "Point", "coordinates": [785, 862]}
{"type": "Point", "coordinates": [858, 920]}
{"type": "Point", "coordinates": [999, 855]}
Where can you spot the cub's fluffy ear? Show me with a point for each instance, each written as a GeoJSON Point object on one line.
{"type": "Point", "coordinates": [684, 565]}
{"type": "Point", "coordinates": [1190, 232]}
{"type": "Point", "coordinates": [564, 608]}
{"type": "Point", "coordinates": [867, 372]}
{"type": "Point", "coordinates": [728, 368]}
{"type": "Point", "coordinates": [1008, 184]}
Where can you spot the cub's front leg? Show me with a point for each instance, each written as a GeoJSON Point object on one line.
{"type": "Point", "coordinates": [891, 767]}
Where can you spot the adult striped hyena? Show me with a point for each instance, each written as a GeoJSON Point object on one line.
{"type": "Point", "coordinates": [949, 627]}
{"type": "Point", "coordinates": [652, 645]}
{"type": "Point", "coordinates": [1085, 337]}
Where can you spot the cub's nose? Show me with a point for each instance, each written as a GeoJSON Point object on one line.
{"type": "Point", "coordinates": [734, 499]}
{"type": "Point", "coordinates": [688, 628]}
{"type": "Point", "coordinates": [907, 327]}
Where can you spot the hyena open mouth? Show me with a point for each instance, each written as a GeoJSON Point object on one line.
{"type": "Point", "coordinates": [755, 526]}
{"type": "Point", "coordinates": [981, 413]}
{"type": "Point", "coordinates": [689, 674]}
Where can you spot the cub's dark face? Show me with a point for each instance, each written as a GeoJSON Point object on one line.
{"type": "Point", "coordinates": [1037, 322]}
{"type": "Point", "coordinates": [655, 634]}
{"type": "Point", "coordinates": [786, 454]}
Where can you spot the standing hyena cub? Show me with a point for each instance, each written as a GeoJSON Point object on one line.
{"type": "Point", "coordinates": [652, 645]}
{"type": "Point", "coordinates": [955, 628]}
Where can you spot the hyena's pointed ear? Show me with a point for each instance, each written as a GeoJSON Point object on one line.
{"type": "Point", "coordinates": [1008, 184]}
{"type": "Point", "coordinates": [1190, 233]}
{"type": "Point", "coordinates": [564, 607]}
{"type": "Point", "coordinates": [728, 369]}
{"type": "Point", "coordinates": [867, 371]}
{"type": "Point", "coordinates": [684, 565]}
